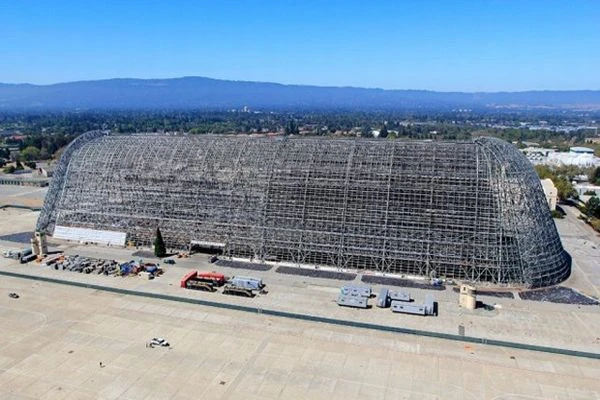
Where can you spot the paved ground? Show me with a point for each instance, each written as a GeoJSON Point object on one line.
{"type": "Point", "coordinates": [54, 338]}
{"type": "Point", "coordinates": [28, 196]}
{"type": "Point", "coordinates": [583, 243]}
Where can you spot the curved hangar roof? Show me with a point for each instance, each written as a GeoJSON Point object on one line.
{"type": "Point", "coordinates": [468, 210]}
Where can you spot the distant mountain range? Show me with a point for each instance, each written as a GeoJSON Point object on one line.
{"type": "Point", "coordinates": [206, 93]}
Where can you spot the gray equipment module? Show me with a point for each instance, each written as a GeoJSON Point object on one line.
{"type": "Point", "coordinates": [353, 301]}
{"type": "Point", "coordinates": [407, 308]}
{"type": "Point", "coordinates": [246, 282]}
{"type": "Point", "coordinates": [399, 296]}
{"type": "Point", "coordinates": [363, 291]}
{"type": "Point", "coordinates": [471, 210]}
{"type": "Point", "coordinates": [425, 309]}
{"type": "Point", "coordinates": [383, 299]}
{"type": "Point", "coordinates": [430, 305]}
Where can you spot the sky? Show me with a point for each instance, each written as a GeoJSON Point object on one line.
{"type": "Point", "coordinates": [479, 45]}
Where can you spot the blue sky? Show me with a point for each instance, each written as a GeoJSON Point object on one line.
{"type": "Point", "coordinates": [474, 45]}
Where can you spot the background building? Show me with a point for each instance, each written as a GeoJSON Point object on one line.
{"type": "Point", "coordinates": [579, 156]}
{"type": "Point", "coordinates": [550, 192]}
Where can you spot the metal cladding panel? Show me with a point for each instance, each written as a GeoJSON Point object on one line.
{"type": "Point", "coordinates": [90, 235]}
{"type": "Point", "coordinates": [473, 210]}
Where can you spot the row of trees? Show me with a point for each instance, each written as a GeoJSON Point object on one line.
{"type": "Point", "coordinates": [447, 125]}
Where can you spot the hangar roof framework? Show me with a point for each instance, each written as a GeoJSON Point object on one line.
{"type": "Point", "coordinates": [470, 210]}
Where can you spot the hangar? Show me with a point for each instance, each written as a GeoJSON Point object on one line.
{"type": "Point", "coordinates": [471, 210]}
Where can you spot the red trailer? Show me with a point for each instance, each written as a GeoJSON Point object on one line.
{"type": "Point", "coordinates": [206, 281]}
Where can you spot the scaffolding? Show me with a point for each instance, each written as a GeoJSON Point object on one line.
{"type": "Point", "coordinates": [472, 210]}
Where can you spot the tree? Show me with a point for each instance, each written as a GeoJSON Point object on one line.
{"type": "Point", "coordinates": [292, 128]}
{"type": "Point", "coordinates": [594, 177]}
{"type": "Point", "coordinates": [383, 132]}
{"type": "Point", "coordinates": [30, 153]}
{"type": "Point", "coordinates": [366, 132]}
{"type": "Point", "coordinates": [543, 171]}
{"type": "Point", "coordinates": [593, 207]}
{"type": "Point", "coordinates": [564, 188]}
{"type": "Point", "coordinates": [159, 245]}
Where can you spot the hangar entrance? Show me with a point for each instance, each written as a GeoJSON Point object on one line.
{"type": "Point", "coordinates": [204, 247]}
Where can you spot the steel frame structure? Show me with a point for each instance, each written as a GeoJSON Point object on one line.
{"type": "Point", "coordinates": [472, 210]}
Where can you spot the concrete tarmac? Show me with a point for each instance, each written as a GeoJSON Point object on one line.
{"type": "Point", "coordinates": [62, 342]}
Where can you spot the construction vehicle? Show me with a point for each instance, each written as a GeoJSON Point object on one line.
{"type": "Point", "coordinates": [207, 281]}
{"type": "Point", "coordinates": [243, 286]}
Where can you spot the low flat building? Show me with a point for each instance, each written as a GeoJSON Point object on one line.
{"type": "Point", "coordinates": [550, 192]}
{"type": "Point", "coordinates": [587, 189]}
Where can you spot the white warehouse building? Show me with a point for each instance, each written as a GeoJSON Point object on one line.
{"type": "Point", "coordinates": [579, 156]}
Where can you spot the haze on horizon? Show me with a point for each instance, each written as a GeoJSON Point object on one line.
{"type": "Point", "coordinates": [445, 46]}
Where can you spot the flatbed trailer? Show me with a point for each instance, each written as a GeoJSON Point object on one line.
{"type": "Point", "coordinates": [237, 290]}
{"type": "Point", "coordinates": [200, 284]}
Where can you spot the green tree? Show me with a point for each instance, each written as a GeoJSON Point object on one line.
{"type": "Point", "coordinates": [30, 153]}
{"type": "Point", "coordinates": [593, 207]}
{"type": "Point", "coordinates": [160, 249]}
{"type": "Point", "coordinates": [594, 177]}
{"type": "Point", "coordinates": [543, 171]}
{"type": "Point", "coordinates": [383, 132]}
{"type": "Point", "coordinates": [366, 132]}
{"type": "Point", "coordinates": [292, 128]}
{"type": "Point", "coordinates": [564, 188]}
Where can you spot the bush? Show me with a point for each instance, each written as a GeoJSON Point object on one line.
{"type": "Point", "coordinates": [10, 169]}
{"type": "Point", "coordinates": [557, 214]}
{"type": "Point", "coordinates": [19, 165]}
{"type": "Point", "coordinates": [595, 223]}
{"type": "Point", "coordinates": [31, 164]}
{"type": "Point", "coordinates": [589, 193]}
